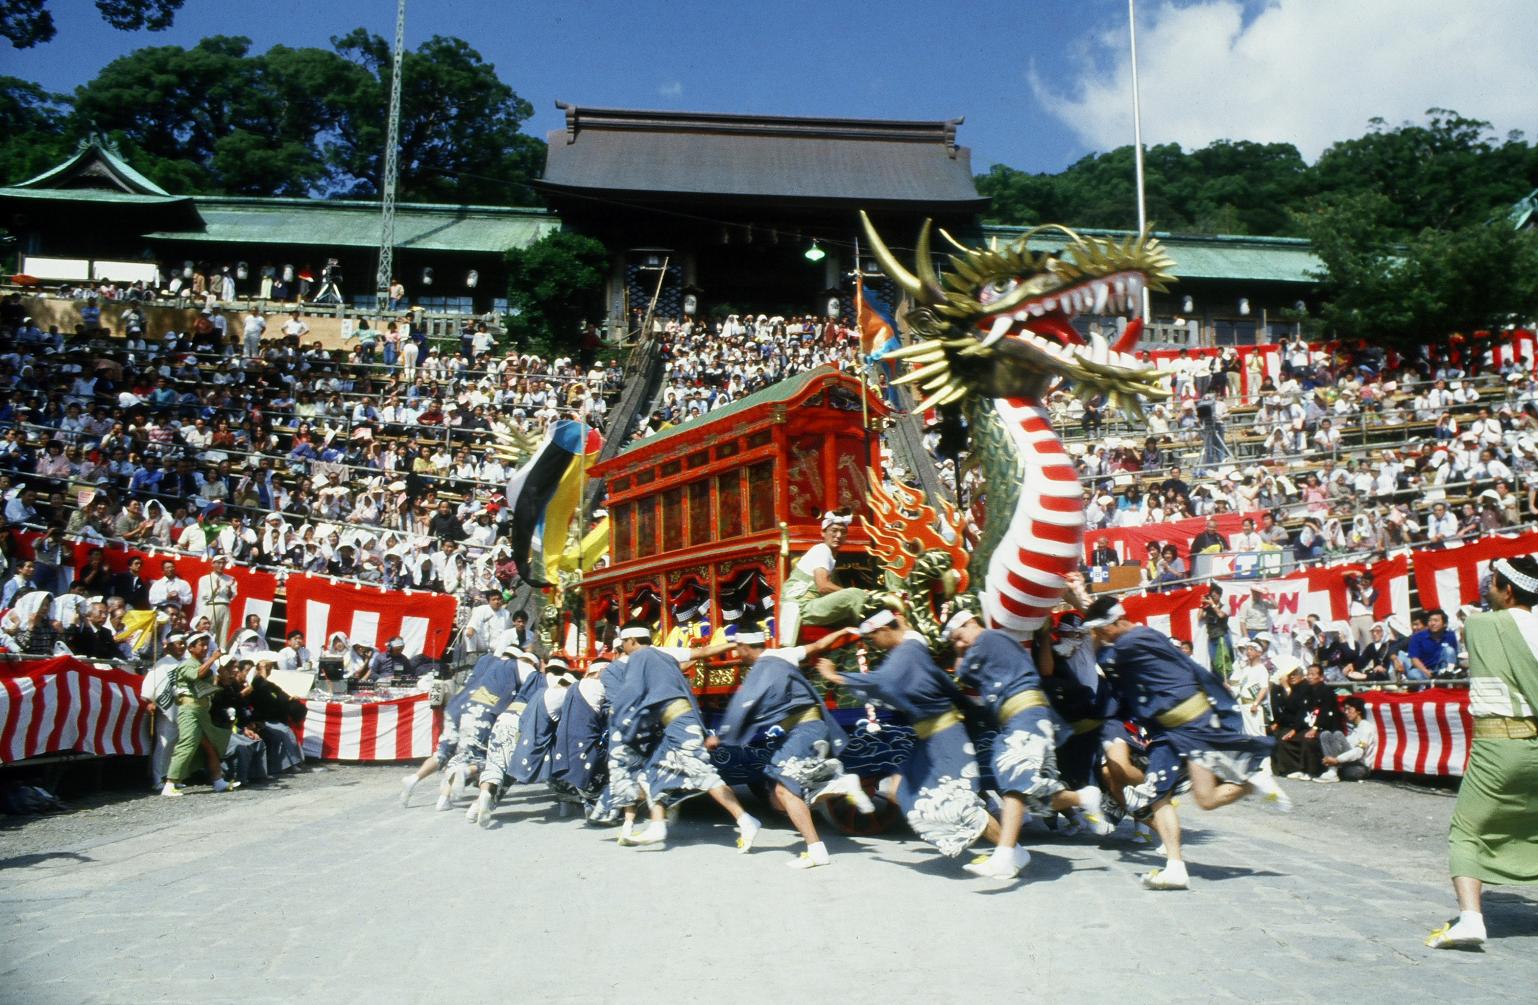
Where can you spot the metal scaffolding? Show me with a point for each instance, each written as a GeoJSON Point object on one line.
{"type": "Point", "coordinates": [391, 165]}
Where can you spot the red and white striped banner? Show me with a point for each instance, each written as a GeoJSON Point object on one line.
{"type": "Point", "coordinates": [405, 729]}
{"type": "Point", "coordinates": [254, 589]}
{"type": "Point", "coordinates": [1176, 614]}
{"type": "Point", "coordinates": [369, 615]}
{"type": "Point", "coordinates": [62, 704]}
{"type": "Point", "coordinates": [1449, 577]}
{"type": "Point", "coordinates": [1422, 732]}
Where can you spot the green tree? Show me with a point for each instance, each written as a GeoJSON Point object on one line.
{"type": "Point", "coordinates": [1448, 173]}
{"type": "Point", "coordinates": [32, 129]}
{"type": "Point", "coordinates": [553, 285]}
{"type": "Point", "coordinates": [1479, 276]}
{"type": "Point", "coordinates": [216, 118]}
{"type": "Point", "coordinates": [459, 132]}
{"type": "Point", "coordinates": [28, 22]}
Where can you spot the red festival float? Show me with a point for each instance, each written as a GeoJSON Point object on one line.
{"type": "Point", "coordinates": [717, 509]}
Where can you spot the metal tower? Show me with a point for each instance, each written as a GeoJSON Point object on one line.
{"type": "Point", "coordinates": [391, 165]}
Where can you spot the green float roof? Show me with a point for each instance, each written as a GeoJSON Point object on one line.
{"type": "Point", "coordinates": [786, 390]}
{"type": "Point", "coordinates": [1221, 256]}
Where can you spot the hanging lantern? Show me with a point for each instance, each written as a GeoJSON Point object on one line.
{"type": "Point", "coordinates": [242, 271]}
{"type": "Point", "coordinates": [472, 279]}
{"type": "Point", "coordinates": [288, 273]}
{"type": "Point", "coordinates": [1244, 306]}
{"type": "Point", "coordinates": [427, 276]}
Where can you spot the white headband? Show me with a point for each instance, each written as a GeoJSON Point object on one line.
{"type": "Point", "coordinates": [635, 633]}
{"type": "Point", "coordinates": [957, 620]}
{"type": "Point", "coordinates": [880, 619]}
{"type": "Point", "coordinates": [1115, 614]}
{"type": "Point", "coordinates": [1520, 580]}
{"type": "Point", "coordinates": [750, 638]}
{"type": "Point", "coordinates": [830, 518]}
{"type": "Point", "coordinates": [192, 639]}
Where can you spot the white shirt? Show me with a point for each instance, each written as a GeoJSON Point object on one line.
{"type": "Point", "coordinates": [487, 624]}
{"type": "Point", "coordinates": [1363, 738]}
{"type": "Point", "coordinates": [170, 591]}
{"type": "Point", "coordinates": [291, 659]}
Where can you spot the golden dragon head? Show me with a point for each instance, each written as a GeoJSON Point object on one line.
{"type": "Point", "coordinates": [997, 322]}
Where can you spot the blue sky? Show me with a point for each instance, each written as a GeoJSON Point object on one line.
{"type": "Point", "coordinates": [1041, 82]}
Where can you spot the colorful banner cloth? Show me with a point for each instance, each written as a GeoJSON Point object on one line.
{"type": "Point", "coordinates": [1421, 732]}
{"type": "Point", "coordinates": [254, 589]}
{"type": "Point", "coordinates": [405, 729]}
{"type": "Point", "coordinates": [1449, 577]}
{"type": "Point", "coordinates": [63, 704]}
{"type": "Point", "coordinates": [369, 615]}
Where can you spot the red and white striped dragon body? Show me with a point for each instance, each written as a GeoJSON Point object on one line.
{"type": "Point", "coordinates": [992, 334]}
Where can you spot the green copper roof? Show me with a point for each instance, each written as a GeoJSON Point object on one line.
{"type": "Point", "coordinates": [94, 167]}
{"type": "Point", "coordinates": [350, 223]}
{"type": "Point", "coordinates": [1232, 257]}
{"type": "Point", "coordinates": [92, 195]}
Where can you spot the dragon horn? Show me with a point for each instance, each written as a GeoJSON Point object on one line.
{"type": "Point", "coordinates": [926, 266]}
{"type": "Point", "coordinates": [910, 283]}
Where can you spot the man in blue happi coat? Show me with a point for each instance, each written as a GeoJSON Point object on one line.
{"type": "Point", "coordinates": [1025, 748]}
{"type": "Point", "coordinates": [459, 729]}
{"type": "Point", "coordinates": [804, 766]}
{"type": "Point", "coordinates": [937, 786]}
{"type": "Point", "coordinates": [507, 716]}
{"type": "Point", "coordinates": [654, 714]}
{"type": "Point", "coordinates": [1195, 731]}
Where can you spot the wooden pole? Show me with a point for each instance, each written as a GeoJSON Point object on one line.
{"type": "Point", "coordinates": [651, 308]}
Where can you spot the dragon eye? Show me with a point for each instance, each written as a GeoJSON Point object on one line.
{"type": "Point", "coordinates": [996, 289]}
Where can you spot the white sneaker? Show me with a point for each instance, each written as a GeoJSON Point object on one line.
{"type": "Point", "coordinates": [655, 832]}
{"type": "Point", "coordinates": [1298, 776]}
{"type": "Point", "coordinates": [997, 866]}
{"type": "Point", "coordinates": [1458, 934]}
{"type": "Point", "coordinates": [456, 782]}
{"type": "Point", "coordinates": [170, 789]}
{"type": "Point", "coordinates": [1270, 793]}
{"type": "Point", "coordinates": [806, 860]}
{"type": "Point", "coordinates": [850, 788]}
{"type": "Point", "coordinates": [1091, 806]}
{"type": "Point", "coordinates": [408, 784]}
{"type": "Point", "coordinates": [481, 811]}
{"type": "Point", "coordinates": [747, 830]}
{"type": "Point", "coordinates": [443, 802]}
{"type": "Point", "coordinates": [1172, 877]}
{"type": "Point", "coordinates": [1330, 775]}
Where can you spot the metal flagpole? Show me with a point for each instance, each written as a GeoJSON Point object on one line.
{"type": "Point", "coordinates": [1137, 136]}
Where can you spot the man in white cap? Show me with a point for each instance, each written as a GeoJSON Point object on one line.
{"type": "Point", "coordinates": [1024, 749]}
{"type": "Point", "coordinates": [1195, 733]}
{"type": "Point", "coordinates": [158, 693]}
{"type": "Point", "coordinates": [462, 741]}
{"type": "Point", "coordinates": [804, 765]}
{"type": "Point", "coordinates": [811, 596]}
{"type": "Point", "coordinates": [936, 787]}
{"type": "Point", "coordinates": [516, 693]}
{"type": "Point", "coordinates": [654, 712]}
{"type": "Point", "coordinates": [215, 596]}
{"type": "Point", "coordinates": [194, 684]}
{"type": "Point", "coordinates": [1493, 837]}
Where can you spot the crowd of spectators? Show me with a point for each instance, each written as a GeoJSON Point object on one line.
{"type": "Point", "coordinates": [708, 364]}
{"type": "Point", "coordinates": [1379, 455]}
{"type": "Point", "coordinates": [385, 461]}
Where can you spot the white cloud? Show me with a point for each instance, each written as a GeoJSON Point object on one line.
{"type": "Point", "coordinates": [671, 89]}
{"type": "Point", "coordinates": [1308, 72]}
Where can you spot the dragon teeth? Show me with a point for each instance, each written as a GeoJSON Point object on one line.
{"type": "Point", "coordinates": [1000, 328]}
{"type": "Point", "coordinates": [1102, 297]}
{"type": "Point", "coordinates": [1049, 304]}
